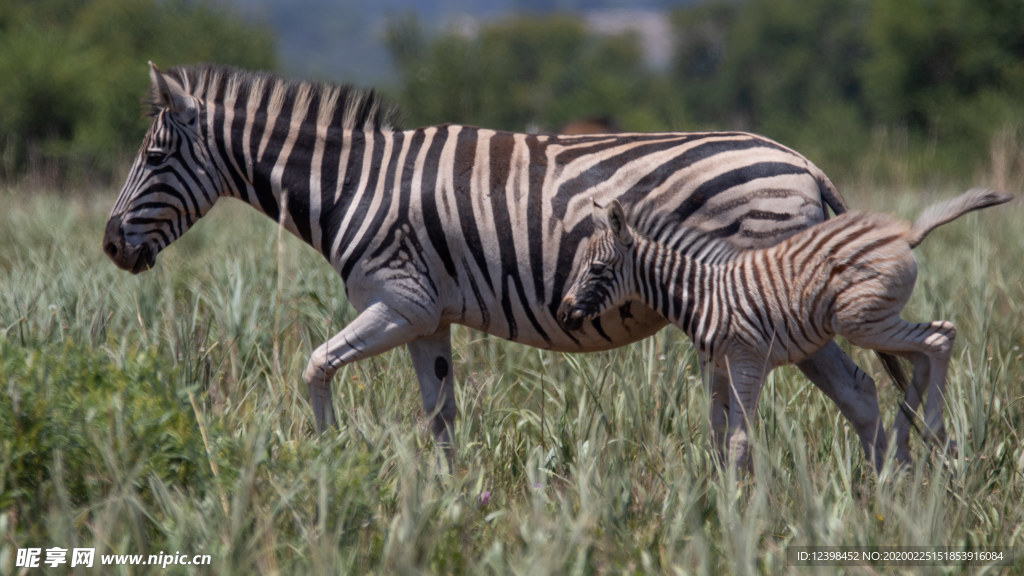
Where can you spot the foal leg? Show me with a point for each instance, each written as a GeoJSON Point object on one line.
{"type": "Point", "coordinates": [717, 387]}
{"type": "Point", "coordinates": [941, 340]}
{"type": "Point", "coordinates": [835, 374]}
{"type": "Point", "coordinates": [746, 378]}
{"type": "Point", "coordinates": [854, 392]}
{"type": "Point", "coordinates": [929, 346]}
{"type": "Point", "coordinates": [908, 407]}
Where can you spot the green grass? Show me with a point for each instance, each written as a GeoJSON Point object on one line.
{"type": "Point", "coordinates": [166, 413]}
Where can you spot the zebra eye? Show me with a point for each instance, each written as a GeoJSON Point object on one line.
{"type": "Point", "coordinates": [155, 157]}
{"type": "Point", "coordinates": [597, 269]}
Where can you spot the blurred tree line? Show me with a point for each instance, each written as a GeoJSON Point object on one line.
{"type": "Point", "coordinates": [73, 73]}
{"type": "Point", "coordinates": [908, 92]}
{"type": "Point", "coordinates": [915, 90]}
{"type": "Point", "coordinates": [528, 73]}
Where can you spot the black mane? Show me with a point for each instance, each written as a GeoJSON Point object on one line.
{"type": "Point", "coordinates": [352, 107]}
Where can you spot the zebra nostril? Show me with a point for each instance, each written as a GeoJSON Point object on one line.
{"type": "Point", "coordinates": [563, 308]}
{"type": "Point", "coordinates": [571, 318]}
{"type": "Point", "coordinates": [113, 238]}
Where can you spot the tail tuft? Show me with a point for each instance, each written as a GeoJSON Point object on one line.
{"type": "Point", "coordinates": [943, 212]}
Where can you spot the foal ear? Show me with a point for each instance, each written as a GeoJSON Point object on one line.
{"type": "Point", "coordinates": [616, 219]}
{"type": "Point", "coordinates": [598, 216]}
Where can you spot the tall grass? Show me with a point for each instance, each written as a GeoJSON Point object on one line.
{"type": "Point", "coordinates": [147, 414]}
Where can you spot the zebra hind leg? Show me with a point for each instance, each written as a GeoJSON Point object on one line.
{"type": "Point", "coordinates": [432, 359]}
{"type": "Point", "coordinates": [854, 392]}
{"type": "Point", "coordinates": [941, 343]}
{"type": "Point", "coordinates": [908, 407]}
{"type": "Point", "coordinates": [716, 382]}
{"type": "Point", "coordinates": [377, 329]}
{"type": "Point", "coordinates": [929, 346]}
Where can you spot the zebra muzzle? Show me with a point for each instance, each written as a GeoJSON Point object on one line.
{"type": "Point", "coordinates": [131, 257]}
{"type": "Point", "coordinates": [570, 315]}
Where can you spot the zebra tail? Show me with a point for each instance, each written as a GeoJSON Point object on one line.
{"type": "Point", "coordinates": [830, 195]}
{"type": "Point", "coordinates": [943, 212]}
{"type": "Point", "coordinates": [895, 370]}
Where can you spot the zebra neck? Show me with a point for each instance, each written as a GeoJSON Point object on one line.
{"type": "Point", "coordinates": [310, 177]}
{"type": "Point", "coordinates": [673, 282]}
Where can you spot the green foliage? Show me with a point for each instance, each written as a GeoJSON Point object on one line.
{"type": "Point", "coordinates": [764, 64]}
{"type": "Point", "coordinates": [845, 80]}
{"type": "Point", "coordinates": [950, 71]}
{"type": "Point", "coordinates": [901, 93]}
{"type": "Point", "coordinates": [75, 71]}
{"type": "Point", "coordinates": [850, 83]}
{"type": "Point", "coordinates": [933, 56]}
{"type": "Point", "coordinates": [526, 72]}
{"type": "Point", "coordinates": [165, 411]}
{"type": "Point", "coordinates": [71, 407]}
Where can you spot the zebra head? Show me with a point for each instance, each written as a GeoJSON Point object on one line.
{"type": "Point", "coordinates": [605, 278]}
{"type": "Point", "coordinates": [172, 182]}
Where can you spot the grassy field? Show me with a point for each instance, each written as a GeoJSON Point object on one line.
{"type": "Point", "coordinates": [165, 413]}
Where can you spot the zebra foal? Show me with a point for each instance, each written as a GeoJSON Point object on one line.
{"type": "Point", "coordinates": [752, 311]}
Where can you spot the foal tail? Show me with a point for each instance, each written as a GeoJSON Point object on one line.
{"type": "Point", "coordinates": [938, 214]}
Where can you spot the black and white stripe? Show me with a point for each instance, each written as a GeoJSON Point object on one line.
{"type": "Point", "coordinates": [446, 224]}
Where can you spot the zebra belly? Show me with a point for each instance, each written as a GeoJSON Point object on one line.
{"type": "Point", "coordinates": [795, 344]}
{"type": "Point", "coordinates": [429, 302]}
{"type": "Point", "coordinates": [614, 329]}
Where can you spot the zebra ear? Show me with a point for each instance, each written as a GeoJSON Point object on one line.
{"type": "Point", "coordinates": [168, 94]}
{"type": "Point", "coordinates": [616, 219]}
{"type": "Point", "coordinates": [598, 215]}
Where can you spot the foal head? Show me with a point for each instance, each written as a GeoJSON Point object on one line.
{"type": "Point", "coordinates": [605, 277]}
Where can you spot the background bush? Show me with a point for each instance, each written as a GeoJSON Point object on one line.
{"type": "Point", "coordinates": [74, 72]}
{"type": "Point", "coordinates": [905, 93]}
{"type": "Point", "coordinates": [913, 92]}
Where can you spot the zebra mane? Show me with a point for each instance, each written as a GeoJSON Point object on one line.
{"type": "Point", "coordinates": [334, 104]}
{"type": "Point", "coordinates": [700, 245]}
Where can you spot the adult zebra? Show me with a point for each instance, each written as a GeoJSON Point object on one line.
{"type": "Point", "coordinates": [453, 224]}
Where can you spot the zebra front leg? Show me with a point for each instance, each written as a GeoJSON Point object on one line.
{"type": "Point", "coordinates": [854, 392]}
{"type": "Point", "coordinates": [377, 329]}
{"type": "Point", "coordinates": [432, 359]}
